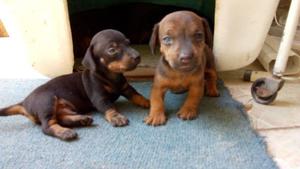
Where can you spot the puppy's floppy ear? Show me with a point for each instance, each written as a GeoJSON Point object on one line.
{"type": "Point", "coordinates": [154, 40]}
{"type": "Point", "coordinates": [88, 60]}
{"type": "Point", "coordinates": [208, 34]}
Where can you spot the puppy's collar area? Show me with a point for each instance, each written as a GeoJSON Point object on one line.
{"type": "Point", "coordinates": [109, 75]}
{"type": "Point", "coordinates": [107, 78]}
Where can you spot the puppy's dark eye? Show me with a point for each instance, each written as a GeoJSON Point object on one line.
{"type": "Point", "coordinates": [199, 36]}
{"type": "Point", "coordinates": [112, 51]}
{"type": "Point", "coordinates": [167, 40]}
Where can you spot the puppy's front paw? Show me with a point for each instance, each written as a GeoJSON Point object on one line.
{"type": "Point", "coordinates": [212, 91]}
{"type": "Point", "coordinates": [86, 121]}
{"type": "Point", "coordinates": [187, 113]}
{"type": "Point", "coordinates": [140, 101]}
{"type": "Point", "coordinates": [156, 120]}
{"type": "Point", "coordinates": [145, 103]}
{"type": "Point", "coordinates": [115, 118]}
{"type": "Point", "coordinates": [118, 120]}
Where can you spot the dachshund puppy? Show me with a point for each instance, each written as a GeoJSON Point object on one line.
{"type": "Point", "coordinates": [186, 64]}
{"type": "Point", "coordinates": [61, 102]}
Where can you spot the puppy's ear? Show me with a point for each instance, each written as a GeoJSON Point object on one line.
{"type": "Point", "coordinates": [154, 40]}
{"type": "Point", "coordinates": [88, 60]}
{"type": "Point", "coordinates": [208, 34]}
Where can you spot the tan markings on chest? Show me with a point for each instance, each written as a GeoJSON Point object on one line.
{"type": "Point", "coordinates": [179, 83]}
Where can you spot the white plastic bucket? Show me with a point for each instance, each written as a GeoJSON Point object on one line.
{"type": "Point", "coordinates": [44, 30]}
{"type": "Point", "coordinates": [241, 27]}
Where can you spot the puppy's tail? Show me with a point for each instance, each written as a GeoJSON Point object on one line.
{"type": "Point", "coordinates": [17, 109]}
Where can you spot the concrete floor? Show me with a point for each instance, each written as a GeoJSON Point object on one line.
{"type": "Point", "coordinates": [279, 122]}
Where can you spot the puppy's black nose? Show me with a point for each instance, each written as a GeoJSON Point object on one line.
{"type": "Point", "coordinates": [185, 57]}
{"type": "Point", "coordinates": [135, 55]}
{"type": "Point", "coordinates": [136, 58]}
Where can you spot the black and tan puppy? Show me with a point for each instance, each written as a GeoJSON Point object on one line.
{"type": "Point", "coordinates": [60, 103]}
{"type": "Point", "coordinates": [186, 64]}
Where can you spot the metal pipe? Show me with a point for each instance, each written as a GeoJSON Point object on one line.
{"type": "Point", "coordinates": [287, 39]}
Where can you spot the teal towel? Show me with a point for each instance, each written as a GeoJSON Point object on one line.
{"type": "Point", "coordinates": [220, 138]}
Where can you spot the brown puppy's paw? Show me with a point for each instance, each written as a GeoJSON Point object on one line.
{"type": "Point", "coordinates": [187, 113]}
{"type": "Point", "coordinates": [118, 120]}
{"type": "Point", "coordinates": [156, 120]}
{"type": "Point", "coordinates": [67, 134]}
{"type": "Point", "coordinates": [86, 121]}
{"type": "Point", "coordinates": [212, 92]}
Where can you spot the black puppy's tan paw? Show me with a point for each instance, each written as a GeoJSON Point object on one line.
{"type": "Point", "coordinates": [119, 121]}
{"type": "Point", "coordinates": [68, 135]}
{"type": "Point", "coordinates": [145, 103]}
{"type": "Point", "coordinates": [140, 101]}
{"type": "Point", "coordinates": [187, 113]}
{"type": "Point", "coordinates": [86, 121]}
{"type": "Point", "coordinates": [65, 134]}
{"type": "Point", "coordinates": [156, 120]}
{"type": "Point", "coordinates": [115, 118]}
{"type": "Point", "coordinates": [60, 132]}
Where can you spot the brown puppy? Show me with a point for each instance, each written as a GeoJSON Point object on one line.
{"type": "Point", "coordinates": [58, 104]}
{"type": "Point", "coordinates": [186, 64]}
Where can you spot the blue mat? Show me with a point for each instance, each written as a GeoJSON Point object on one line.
{"type": "Point", "coordinates": [220, 138]}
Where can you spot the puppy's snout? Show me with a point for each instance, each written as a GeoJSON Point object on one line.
{"type": "Point", "coordinates": [185, 57]}
{"type": "Point", "coordinates": [136, 58]}
{"type": "Point", "coordinates": [135, 55]}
